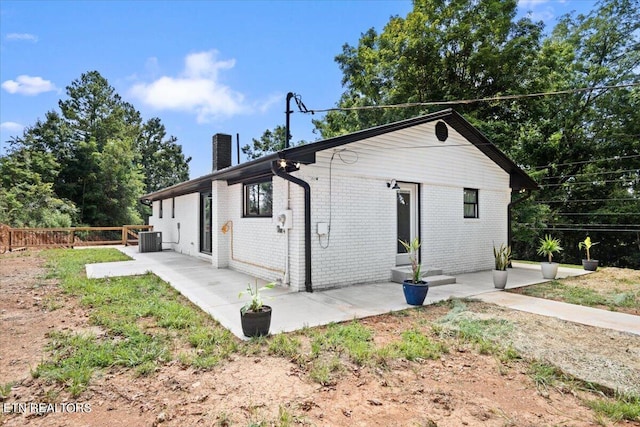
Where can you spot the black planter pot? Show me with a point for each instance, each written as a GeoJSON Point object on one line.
{"type": "Point", "coordinates": [415, 293]}
{"type": "Point", "coordinates": [256, 323]}
{"type": "Point", "coordinates": [590, 264]}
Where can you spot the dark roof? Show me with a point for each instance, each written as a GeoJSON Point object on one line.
{"type": "Point", "coordinates": [305, 154]}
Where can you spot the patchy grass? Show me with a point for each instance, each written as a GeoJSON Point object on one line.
{"type": "Point", "coordinates": [143, 323]}
{"type": "Point", "coordinates": [486, 334]}
{"type": "Point", "coordinates": [576, 266]}
{"type": "Point", "coordinates": [75, 357]}
{"type": "Point", "coordinates": [613, 298]}
{"type": "Point", "coordinates": [285, 346]}
{"type": "Point", "coordinates": [352, 340]}
{"type": "Point", "coordinates": [5, 391]}
{"type": "Point", "coordinates": [141, 317]}
{"type": "Point", "coordinates": [415, 346]}
{"type": "Point", "coordinates": [622, 407]}
{"type": "Point", "coordinates": [617, 407]}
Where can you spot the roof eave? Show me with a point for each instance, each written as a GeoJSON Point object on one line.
{"type": "Point", "coordinates": [305, 154]}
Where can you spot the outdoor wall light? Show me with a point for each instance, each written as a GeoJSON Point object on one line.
{"type": "Point", "coordinates": [288, 165]}
{"type": "Point", "coordinates": [393, 185]}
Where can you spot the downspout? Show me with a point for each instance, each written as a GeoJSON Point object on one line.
{"type": "Point", "coordinates": [307, 221]}
{"type": "Point", "coordinates": [509, 207]}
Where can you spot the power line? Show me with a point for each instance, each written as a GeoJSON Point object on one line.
{"type": "Point", "coordinates": [588, 161]}
{"type": "Point", "coordinates": [591, 174]}
{"type": "Point", "coordinates": [587, 200]}
{"type": "Point", "coordinates": [587, 229]}
{"type": "Point", "coordinates": [470, 101]}
{"type": "Point", "coordinates": [597, 213]}
{"type": "Point", "coordinates": [586, 225]}
{"type": "Point", "coordinates": [592, 182]}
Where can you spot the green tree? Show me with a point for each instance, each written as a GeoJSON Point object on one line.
{"type": "Point", "coordinates": [28, 200]}
{"type": "Point", "coordinates": [585, 145]}
{"type": "Point", "coordinates": [102, 152]}
{"type": "Point", "coordinates": [582, 147]}
{"type": "Point", "coordinates": [271, 141]}
{"type": "Point", "coordinates": [161, 158]}
{"type": "Point", "coordinates": [440, 51]}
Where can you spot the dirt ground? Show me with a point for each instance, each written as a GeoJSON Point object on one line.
{"type": "Point", "coordinates": [462, 388]}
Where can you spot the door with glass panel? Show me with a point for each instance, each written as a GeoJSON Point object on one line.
{"type": "Point", "coordinates": [205, 223]}
{"type": "Point", "coordinates": [407, 219]}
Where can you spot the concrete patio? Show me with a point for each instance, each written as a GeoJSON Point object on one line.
{"type": "Point", "coordinates": [216, 292]}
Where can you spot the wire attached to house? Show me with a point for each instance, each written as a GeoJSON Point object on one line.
{"type": "Point", "coordinates": [347, 162]}
{"type": "Point", "coordinates": [471, 101]}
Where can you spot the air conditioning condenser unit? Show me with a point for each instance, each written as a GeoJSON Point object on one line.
{"type": "Point", "coordinates": [150, 241]}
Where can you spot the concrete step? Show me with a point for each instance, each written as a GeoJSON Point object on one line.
{"type": "Point", "coordinates": [402, 273]}
{"type": "Point", "coordinates": [440, 280]}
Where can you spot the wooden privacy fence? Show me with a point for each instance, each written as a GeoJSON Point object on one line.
{"type": "Point", "coordinates": [12, 239]}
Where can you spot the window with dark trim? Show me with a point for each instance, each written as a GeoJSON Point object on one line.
{"type": "Point", "coordinates": [173, 207]}
{"type": "Point", "coordinates": [160, 210]}
{"type": "Point", "coordinates": [258, 199]}
{"type": "Point", "coordinates": [470, 203]}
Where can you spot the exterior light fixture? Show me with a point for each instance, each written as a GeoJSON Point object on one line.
{"type": "Point", "coordinates": [283, 163]}
{"type": "Point", "coordinates": [393, 185]}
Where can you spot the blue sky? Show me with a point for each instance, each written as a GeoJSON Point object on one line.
{"type": "Point", "coordinates": [201, 66]}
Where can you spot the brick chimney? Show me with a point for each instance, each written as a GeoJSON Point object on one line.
{"type": "Point", "coordinates": [221, 157]}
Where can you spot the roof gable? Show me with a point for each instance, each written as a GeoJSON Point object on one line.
{"type": "Point", "coordinates": [305, 154]}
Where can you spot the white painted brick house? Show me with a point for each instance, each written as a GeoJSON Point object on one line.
{"type": "Point", "coordinates": [346, 201]}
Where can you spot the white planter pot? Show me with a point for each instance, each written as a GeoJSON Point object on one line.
{"type": "Point", "coordinates": [500, 278]}
{"type": "Point", "coordinates": [549, 270]}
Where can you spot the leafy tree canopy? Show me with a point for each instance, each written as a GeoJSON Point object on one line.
{"type": "Point", "coordinates": [101, 156]}
{"type": "Point", "coordinates": [581, 147]}
{"type": "Point", "coordinates": [271, 141]}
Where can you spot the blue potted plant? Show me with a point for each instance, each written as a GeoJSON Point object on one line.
{"type": "Point", "coordinates": [415, 289]}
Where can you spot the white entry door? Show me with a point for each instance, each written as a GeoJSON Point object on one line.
{"type": "Point", "coordinates": [407, 219]}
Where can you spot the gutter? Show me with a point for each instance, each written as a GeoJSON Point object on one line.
{"type": "Point", "coordinates": [307, 220]}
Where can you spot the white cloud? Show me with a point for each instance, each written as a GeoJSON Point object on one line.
{"type": "Point", "coordinates": [22, 37]}
{"type": "Point", "coordinates": [11, 127]}
{"type": "Point", "coordinates": [537, 10]}
{"type": "Point", "coordinates": [529, 4]}
{"type": "Point", "coordinates": [196, 89]}
{"type": "Point", "coordinates": [28, 85]}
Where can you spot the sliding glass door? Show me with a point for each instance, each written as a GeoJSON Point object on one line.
{"type": "Point", "coordinates": [205, 223]}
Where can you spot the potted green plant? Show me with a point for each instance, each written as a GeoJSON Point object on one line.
{"type": "Point", "coordinates": [415, 289]}
{"type": "Point", "coordinates": [502, 257]}
{"type": "Point", "coordinates": [549, 246]}
{"type": "Point", "coordinates": [255, 316]}
{"type": "Point", "coordinates": [588, 264]}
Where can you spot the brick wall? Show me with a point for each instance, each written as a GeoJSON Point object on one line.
{"type": "Point", "coordinates": [258, 248]}
{"type": "Point", "coordinates": [187, 209]}
{"type": "Point", "coordinates": [457, 244]}
{"type": "Point", "coordinates": [360, 246]}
